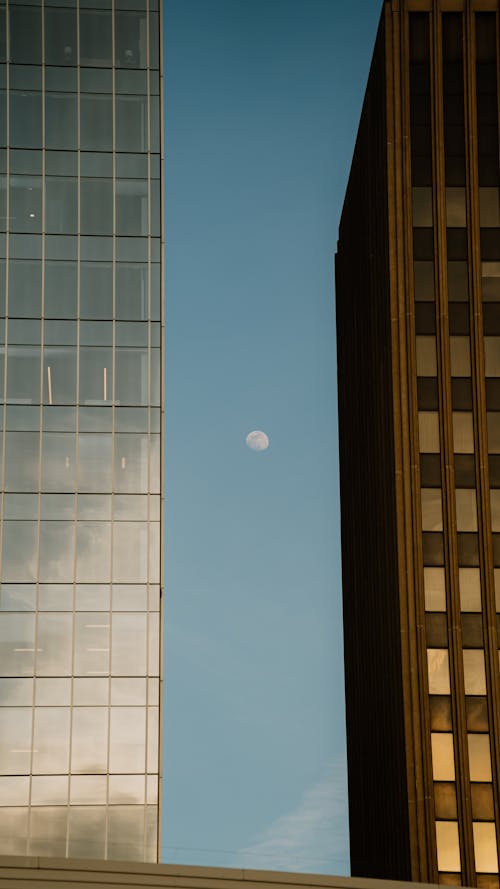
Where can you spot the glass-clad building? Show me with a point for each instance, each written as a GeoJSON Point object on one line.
{"type": "Point", "coordinates": [81, 419]}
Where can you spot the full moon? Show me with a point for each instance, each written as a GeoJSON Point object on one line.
{"type": "Point", "coordinates": [257, 441]}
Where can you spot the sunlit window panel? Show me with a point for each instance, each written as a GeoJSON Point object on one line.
{"type": "Point", "coordinates": [463, 435]}
{"type": "Point", "coordinates": [485, 847]}
{"type": "Point", "coordinates": [434, 589]}
{"type": "Point", "coordinates": [469, 580]}
{"type": "Point", "coordinates": [479, 757]}
{"type": "Point", "coordinates": [474, 673]}
{"type": "Point", "coordinates": [448, 846]}
{"type": "Point", "coordinates": [428, 424]}
{"type": "Point", "coordinates": [439, 671]}
{"type": "Point", "coordinates": [426, 356]}
{"type": "Point", "coordinates": [432, 515]}
{"type": "Point", "coordinates": [466, 509]}
{"type": "Point", "coordinates": [443, 763]}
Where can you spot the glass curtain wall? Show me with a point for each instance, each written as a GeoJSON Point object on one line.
{"type": "Point", "coordinates": [80, 383]}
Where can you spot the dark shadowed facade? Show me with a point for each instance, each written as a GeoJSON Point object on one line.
{"type": "Point", "coordinates": [418, 319]}
{"type": "Point", "coordinates": [80, 427]}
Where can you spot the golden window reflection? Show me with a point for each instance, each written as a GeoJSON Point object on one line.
{"type": "Point", "coordinates": [434, 589]}
{"type": "Point", "coordinates": [474, 673]}
{"type": "Point", "coordinates": [485, 847]}
{"type": "Point", "coordinates": [469, 580]}
{"type": "Point", "coordinates": [448, 847]}
{"type": "Point", "coordinates": [426, 356]}
{"type": "Point", "coordinates": [443, 762]}
{"type": "Point", "coordinates": [439, 671]}
{"type": "Point", "coordinates": [428, 425]}
{"type": "Point", "coordinates": [463, 433]}
{"type": "Point", "coordinates": [465, 499]}
{"type": "Point", "coordinates": [432, 516]}
{"type": "Point", "coordinates": [479, 757]}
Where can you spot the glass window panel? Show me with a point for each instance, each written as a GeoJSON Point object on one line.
{"type": "Point", "coordinates": [426, 356]}
{"type": "Point", "coordinates": [128, 691]}
{"type": "Point", "coordinates": [48, 831]}
{"type": "Point", "coordinates": [19, 692]}
{"type": "Point", "coordinates": [460, 356]}
{"type": "Point", "coordinates": [24, 331]}
{"type": "Point", "coordinates": [51, 740]}
{"type": "Point", "coordinates": [53, 691]}
{"type": "Point", "coordinates": [95, 38]}
{"type": "Point", "coordinates": [154, 643]}
{"type": "Point", "coordinates": [88, 790]}
{"type": "Point", "coordinates": [424, 281]}
{"type": "Point", "coordinates": [15, 740]}
{"type": "Point", "coordinates": [154, 465]}
{"type": "Point", "coordinates": [132, 207]}
{"type": "Point", "coordinates": [131, 463]}
{"type": "Point", "coordinates": [19, 552]}
{"type": "Point", "coordinates": [92, 597]}
{"type": "Point", "coordinates": [60, 289]}
{"type": "Point", "coordinates": [55, 597]}
{"type": "Point", "coordinates": [466, 509]}
{"type": "Point", "coordinates": [25, 25]}
{"type": "Point", "coordinates": [490, 281]}
{"type": "Point", "coordinates": [432, 518]}
{"type": "Point", "coordinates": [126, 507]}
{"type": "Point", "coordinates": [61, 215]}
{"type": "Point", "coordinates": [131, 39]}
{"type": "Point", "coordinates": [96, 206]}
{"type": "Point", "coordinates": [96, 290]}
{"type": "Point", "coordinates": [126, 832]}
{"type": "Point", "coordinates": [439, 673]}
{"type": "Point", "coordinates": [89, 740]}
{"type": "Point", "coordinates": [132, 334]}
{"type": "Point", "coordinates": [455, 207]}
{"type": "Point", "coordinates": [25, 203]}
{"type": "Point", "coordinates": [20, 506]}
{"type": "Point", "coordinates": [495, 509]}
{"type": "Point", "coordinates": [14, 829]}
{"type": "Point", "coordinates": [23, 375]}
{"type": "Point", "coordinates": [131, 378]}
{"type": "Point", "coordinates": [470, 589]}
{"type": "Point", "coordinates": [131, 123]}
{"type": "Point", "coordinates": [127, 789]}
{"type": "Point", "coordinates": [54, 644]}
{"type": "Point", "coordinates": [435, 592]}
{"type": "Point", "coordinates": [131, 292]}
{"type": "Point", "coordinates": [474, 675]}
{"type": "Point", "coordinates": [60, 37]}
{"type": "Point", "coordinates": [128, 657]}
{"type": "Point", "coordinates": [25, 285]}
{"type": "Point", "coordinates": [91, 692]}
{"type": "Point", "coordinates": [91, 643]}
{"type": "Point", "coordinates": [463, 434]}
{"type": "Point", "coordinates": [93, 552]}
{"type": "Point", "coordinates": [479, 757]}
{"type": "Point", "coordinates": [59, 375]}
{"type": "Point", "coordinates": [58, 462]}
{"type": "Point", "coordinates": [14, 791]}
{"type": "Point", "coordinates": [94, 506]}
{"type": "Point", "coordinates": [493, 419]}
{"type": "Point", "coordinates": [155, 378]}
{"type": "Point", "coordinates": [96, 333]}
{"type": "Point", "coordinates": [96, 122]}
{"type": "Point", "coordinates": [94, 462]}
{"type": "Point", "coordinates": [492, 356]}
{"type": "Point", "coordinates": [21, 461]}
{"type": "Point", "coordinates": [49, 790]}
{"type": "Point", "coordinates": [130, 550]}
{"type": "Point", "coordinates": [154, 552]}
{"type": "Point", "coordinates": [127, 740]}
{"type": "Point", "coordinates": [87, 832]}
{"type": "Point", "coordinates": [96, 377]}
{"type": "Point", "coordinates": [485, 847]}
{"type": "Point", "coordinates": [25, 120]}
{"type": "Point", "coordinates": [130, 597]}
{"type": "Point", "coordinates": [489, 207]}
{"type": "Point", "coordinates": [443, 762]}
{"type": "Point", "coordinates": [448, 846]}
{"type": "Point", "coordinates": [61, 126]}
{"type": "Point", "coordinates": [428, 424]}
{"type": "Point", "coordinates": [95, 419]}
{"type": "Point", "coordinates": [17, 597]}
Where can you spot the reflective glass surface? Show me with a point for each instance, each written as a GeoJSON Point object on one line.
{"type": "Point", "coordinates": [80, 368]}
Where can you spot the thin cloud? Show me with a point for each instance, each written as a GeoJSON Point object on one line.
{"type": "Point", "coordinates": [313, 837]}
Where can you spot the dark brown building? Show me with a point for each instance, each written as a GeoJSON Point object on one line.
{"type": "Point", "coordinates": [418, 315]}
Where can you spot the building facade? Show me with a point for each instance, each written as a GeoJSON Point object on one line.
{"type": "Point", "coordinates": [418, 315]}
{"type": "Point", "coordinates": [81, 419]}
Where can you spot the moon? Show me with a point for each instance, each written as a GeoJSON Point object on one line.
{"type": "Point", "coordinates": [257, 440]}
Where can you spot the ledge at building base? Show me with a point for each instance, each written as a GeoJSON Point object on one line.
{"type": "Point", "coordinates": [54, 873]}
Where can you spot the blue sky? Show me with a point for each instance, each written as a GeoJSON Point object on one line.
{"type": "Point", "coordinates": [263, 100]}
